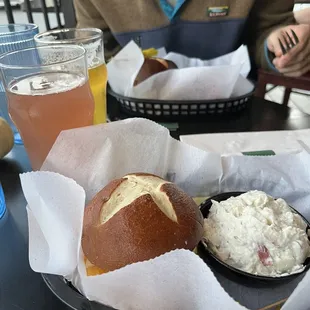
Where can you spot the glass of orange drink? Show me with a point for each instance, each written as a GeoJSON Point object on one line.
{"type": "Point", "coordinates": [48, 91]}
{"type": "Point", "coordinates": [92, 40]}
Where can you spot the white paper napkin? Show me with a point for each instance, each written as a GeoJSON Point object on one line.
{"type": "Point", "coordinates": [284, 141]}
{"type": "Point", "coordinates": [195, 79]}
{"type": "Point", "coordinates": [300, 297]}
{"type": "Point", "coordinates": [55, 216]}
{"type": "Point", "coordinates": [238, 57]}
{"type": "Point", "coordinates": [92, 157]}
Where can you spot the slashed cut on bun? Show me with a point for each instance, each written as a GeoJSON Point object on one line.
{"type": "Point", "coordinates": [136, 218]}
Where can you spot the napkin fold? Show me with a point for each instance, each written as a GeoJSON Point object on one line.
{"type": "Point", "coordinates": [283, 141]}
{"type": "Point", "coordinates": [55, 215]}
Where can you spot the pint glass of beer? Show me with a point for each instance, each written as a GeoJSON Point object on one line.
{"type": "Point", "coordinates": [15, 37]}
{"type": "Point", "coordinates": [92, 40]}
{"type": "Point", "coordinates": [48, 91]}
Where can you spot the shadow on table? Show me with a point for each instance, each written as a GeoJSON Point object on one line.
{"type": "Point", "coordinates": [20, 287]}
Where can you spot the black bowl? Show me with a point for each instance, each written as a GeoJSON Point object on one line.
{"type": "Point", "coordinates": [69, 295]}
{"type": "Point", "coordinates": [234, 273]}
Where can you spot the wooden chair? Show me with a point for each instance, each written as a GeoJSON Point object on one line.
{"type": "Point", "coordinates": [276, 79]}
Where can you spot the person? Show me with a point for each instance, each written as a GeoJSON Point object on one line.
{"type": "Point", "coordinates": [203, 28]}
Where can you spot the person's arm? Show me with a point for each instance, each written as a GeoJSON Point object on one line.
{"type": "Point", "coordinates": [88, 16]}
{"type": "Point", "coordinates": [265, 18]}
{"type": "Point", "coordinates": [271, 20]}
{"type": "Point", "coordinates": [303, 16]}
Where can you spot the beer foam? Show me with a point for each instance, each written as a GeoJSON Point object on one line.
{"type": "Point", "coordinates": [47, 83]}
{"type": "Point", "coordinates": [93, 50]}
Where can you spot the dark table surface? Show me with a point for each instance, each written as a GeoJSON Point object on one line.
{"type": "Point", "coordinates": [21, 288]}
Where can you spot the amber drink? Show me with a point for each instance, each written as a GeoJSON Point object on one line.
{"type": "Point", "coordinates": [92, 40]}
{"type": "Point", "coordinates": [48, 99]}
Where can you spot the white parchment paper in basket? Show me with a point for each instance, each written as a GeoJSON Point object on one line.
{"type": "Point", "coordinates": [195, 79]}
{"type": "Point", "coordinates": [92, 157]}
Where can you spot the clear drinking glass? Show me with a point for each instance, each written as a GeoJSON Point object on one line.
{"type": "Point", "coordinates": [15, 37]}
{"type": "Point", "coordinates": [92, 40]}
{"type": "Point", "coordinates": [48, 91]}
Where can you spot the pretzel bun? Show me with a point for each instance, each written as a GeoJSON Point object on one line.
{"type": "Point", "coordinates": [6, 138]}
{"type": "Point", "coordinates": [136, 218]}
{"type": "Point", "coordinates": [152, 66]}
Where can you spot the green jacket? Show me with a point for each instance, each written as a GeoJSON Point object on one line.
{"type": "Point", "coordinates": [195, 28]}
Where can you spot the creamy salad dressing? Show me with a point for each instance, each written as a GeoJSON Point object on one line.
{"type": "Point", "coordinates": [257, 234]}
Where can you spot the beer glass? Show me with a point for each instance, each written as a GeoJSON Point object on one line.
{"type": "Point", "coordinates": [48, 91]}
{"type": "Point", "coordinates": [14, 37]}
{"type": "Point", "coordinates": [92, 40]}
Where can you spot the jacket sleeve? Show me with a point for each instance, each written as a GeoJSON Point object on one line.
{"type": "Point", "coordinates": [88, 16]}
{"type": "Point", "coordinates": [265, 17]}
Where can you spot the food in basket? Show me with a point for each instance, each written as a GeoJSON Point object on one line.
{"type": "Point", "coordinates": [136, 218]}
{"type": "Point", "coordinates": [6, 138]}
{"type": "Point", "coordinates": [258, 234]}
{"type": "Point", "coordinates": [152, 66]}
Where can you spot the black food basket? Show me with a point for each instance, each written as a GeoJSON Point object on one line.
{"type": "Point", "coordinates": [180, 109]}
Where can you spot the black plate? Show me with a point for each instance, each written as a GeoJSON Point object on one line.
{"type": "Point", "coordinates": [230, 272]}
{"type": "Point", "coordinates": [67, 293]}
